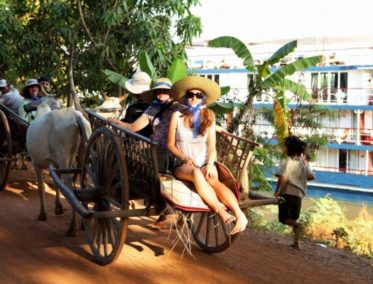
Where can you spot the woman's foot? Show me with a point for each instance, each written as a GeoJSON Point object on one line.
{"type": "Point", "coordinates": [241, 224]}
{"type": "Point", "coordinates": [224, 215]}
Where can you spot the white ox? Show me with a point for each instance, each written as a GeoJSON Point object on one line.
{"type": "Point", "coordinates": [58, 137]}
{"type": "Point", "coordinates": [111, 107]}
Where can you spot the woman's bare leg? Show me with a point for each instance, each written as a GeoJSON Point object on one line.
{"type": "Point", "coordinates": [229, 199]}
{"type": "Point", "coordinates": [204, 189]}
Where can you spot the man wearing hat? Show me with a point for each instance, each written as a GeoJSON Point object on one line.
{"type": "Point", "coordinates": [30, 92]}
{"type": "Point", "coordinates": [9, 96]}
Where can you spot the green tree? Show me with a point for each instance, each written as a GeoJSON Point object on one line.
{"type": "Point", "coordinates": [75, 40]}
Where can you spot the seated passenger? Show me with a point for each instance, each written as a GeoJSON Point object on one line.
{"type": "Point", "coordinates": [192, 139]}
{"type": "Point", "coordinates": [31, 94]}
{"type": "Point", "coordinates": [9, 96]}
{"type": "Point", "coordinates": [139, 85]}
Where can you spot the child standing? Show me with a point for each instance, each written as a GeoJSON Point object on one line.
{"type": "Point", "coordinates": [293, 174]}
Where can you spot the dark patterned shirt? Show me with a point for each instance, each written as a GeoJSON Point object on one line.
{"type": "Point", "coordinates": [161, 125]}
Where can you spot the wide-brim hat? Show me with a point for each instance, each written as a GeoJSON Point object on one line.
{"type": "Point", "coordinates": [160, 84]}
{"type": "Point", "coordinates": [139, 83]}
{"type": "Point", "coordinates": [29, 83]}
{"type": "Point", "coordinates": [207, 86]}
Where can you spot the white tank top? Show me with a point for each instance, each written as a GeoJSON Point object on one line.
{"type": "Point", "coordinates": [193, 147]}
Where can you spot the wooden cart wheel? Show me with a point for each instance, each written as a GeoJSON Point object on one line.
{"type": "Point", "coordinates": [5, 150]}
{"type": "Point", "coordinates": [209, 232]}
{"type": "Point", "coordinates": [105, 170]}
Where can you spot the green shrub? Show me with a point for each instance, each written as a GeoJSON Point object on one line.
{"type": "Point", "coordinates": [324, 222]}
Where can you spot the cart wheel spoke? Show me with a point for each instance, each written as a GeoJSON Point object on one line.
{"type": "Point", "coordinates": [110, 176]}
{"type": "Point", "coordinates": [209, 232]}
{"type": "Point", "coordinates": [208, 228]}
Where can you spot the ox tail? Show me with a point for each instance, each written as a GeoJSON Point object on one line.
{"type": "Point", "coordinates": [85, 131]}
{"type": "Point", "coordinates": [84, 127]}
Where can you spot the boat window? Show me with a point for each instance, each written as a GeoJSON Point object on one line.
{"type": "Point", "coordinates": [214, 77]}
{"type": "Point", "coordinates": [333, 86]}
{"type": "Point", "coordinates": [343, 85]}
{"type": "Point", "coordinates": [324, 84]}
{"type": "Point", "coordinates": [342, 160]}
{"type": "Point", "coordinates": [315, 85]}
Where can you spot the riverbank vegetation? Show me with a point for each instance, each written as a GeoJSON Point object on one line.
{"type": "Point", "coordinates": [324, 222]}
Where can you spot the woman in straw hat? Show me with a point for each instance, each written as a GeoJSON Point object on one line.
{"type": "Point", "coordinates": [192, 138]}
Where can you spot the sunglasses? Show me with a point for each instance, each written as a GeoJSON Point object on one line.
{"type": "Point", "coordinates": [190, 95]}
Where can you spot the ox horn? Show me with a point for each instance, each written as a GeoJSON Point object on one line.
{"type": "Point", "coordinates": [122, 98]}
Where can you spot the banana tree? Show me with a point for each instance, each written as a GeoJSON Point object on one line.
{"type": "Point", "coordinates": [264, 80]}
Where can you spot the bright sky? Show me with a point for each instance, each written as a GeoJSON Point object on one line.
{"type": "Point", "coordinates": [259, 20]}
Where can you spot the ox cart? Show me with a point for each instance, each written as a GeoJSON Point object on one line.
{"type": "Point", "coordinates": [12, 141]}
{"type": "Point", "coordinates": [119, 179]}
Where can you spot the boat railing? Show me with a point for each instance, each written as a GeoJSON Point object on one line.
{"type": "Point", "coordinates": [328, 96]}
{"type": "Point", "coordinates": [338, 135]}
{"type": "Point", "coordinates": [346, 169]}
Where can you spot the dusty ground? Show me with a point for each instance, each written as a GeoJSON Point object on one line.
{"type": "Point", "coordinates": [38, 252]}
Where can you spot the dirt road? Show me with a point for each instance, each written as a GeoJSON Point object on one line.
{"type": "Point", "coordinates": [39, 252]}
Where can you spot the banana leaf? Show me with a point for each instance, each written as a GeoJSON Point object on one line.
{"type": "Point", "coordinates": [297, 89]}
{"type": "Point", "coordinates": [115, 78]}
{"type": "Point", "coordinates": [282, 52]}
{"type": "Point", "coordinates": [224, 90]}
{"type": "Point", "coordinates": [280, 120]}
{"type": "Point", "coordinates": [147, 66]}
{"type": "Point", "coordinates": [290, 69]}
{"type": "Point", "coordinates": [223, 108]}
{"type": "Point", "coordinates": [237, 46]}
{"type": "Point", "coordinates": [177, 70]}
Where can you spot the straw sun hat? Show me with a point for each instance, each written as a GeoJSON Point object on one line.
{"type": "Point", "coordinates": [207, 86]}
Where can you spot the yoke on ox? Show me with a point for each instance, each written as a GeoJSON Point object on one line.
{"type": "Point", "coordinates": [56, 137]}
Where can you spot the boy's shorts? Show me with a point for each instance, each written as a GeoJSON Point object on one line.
{"type": "Point", "coordinates": [290, 209]}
